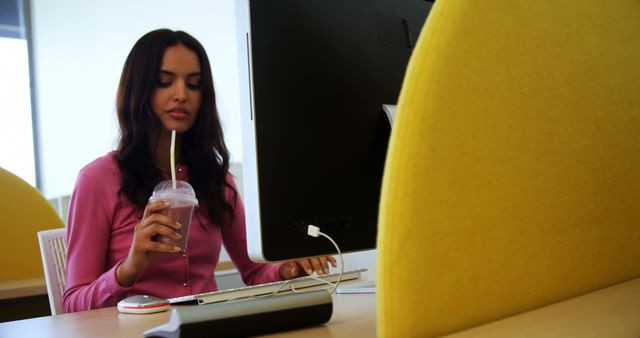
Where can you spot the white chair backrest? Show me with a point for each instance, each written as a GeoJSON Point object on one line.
{"type": "Point", "coordinates": [53, 248]}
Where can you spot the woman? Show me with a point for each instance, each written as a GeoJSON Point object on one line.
{"type": "Point", "coordinates": [166, 85]}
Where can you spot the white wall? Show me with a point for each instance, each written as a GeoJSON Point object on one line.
{"type": "Point", "coordinates": [79, 47]}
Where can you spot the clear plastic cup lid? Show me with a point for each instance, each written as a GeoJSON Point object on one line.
{"type": "Point", "coordinates": [183, 191]}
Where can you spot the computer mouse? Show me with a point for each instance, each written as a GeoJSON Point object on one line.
{"type": "Point", "coordinates": [141, 304]}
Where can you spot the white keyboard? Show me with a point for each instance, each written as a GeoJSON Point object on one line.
{"type": "Point", "coordinates": [267, 288]}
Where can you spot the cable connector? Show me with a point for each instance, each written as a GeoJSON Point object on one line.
{"type": "Point", "coordinates": [313, 231]}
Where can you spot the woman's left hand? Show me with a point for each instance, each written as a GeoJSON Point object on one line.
{"type": "Point", "coordinates": [305, 267]}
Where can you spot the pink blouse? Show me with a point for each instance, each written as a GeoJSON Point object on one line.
{"type": "Point", "coordinates": [99, 235]}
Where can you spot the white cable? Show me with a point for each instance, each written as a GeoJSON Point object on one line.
{"type": "Point", "coordinates": [319, 279]}
{"type": "Point", "coordinates": [314, 231]}
{"type": "Point", "coordinates": [285, 283]}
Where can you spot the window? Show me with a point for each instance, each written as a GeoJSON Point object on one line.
{"type": "Point", "coordinates": [16, 134]}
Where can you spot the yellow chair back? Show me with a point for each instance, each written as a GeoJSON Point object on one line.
{"type": "Point", "coordinates": [513, 174]}
{"type": "Point", "coordinates": [24, 212]}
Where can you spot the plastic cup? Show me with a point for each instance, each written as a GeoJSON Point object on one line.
{"type": "Point", "coordinates": [182, 202]}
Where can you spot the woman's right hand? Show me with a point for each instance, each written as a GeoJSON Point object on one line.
{"type": "Point", "coordinates": [143, 247]}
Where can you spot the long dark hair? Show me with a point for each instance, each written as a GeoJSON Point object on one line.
{"type": "Point", "coordinates": [203, 148]}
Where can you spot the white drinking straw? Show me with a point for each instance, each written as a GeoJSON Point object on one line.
{"type": "Point", "coordinates": [173, 158]}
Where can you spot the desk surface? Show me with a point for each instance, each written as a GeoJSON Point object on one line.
{"type": "Point", "coordinates": [611, 312]}
{"type": "Point", "coordinates": [353, 315]}
{"type": "Point", "coordinates": [22, 288]}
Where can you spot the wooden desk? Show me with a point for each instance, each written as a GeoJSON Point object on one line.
{"type": "Point", "coordinates": [353, 316]}
{"type": "Point", "coordinates": [23, 298]}
{"type": "Point", "coordinates": [22, 288]}
{"type": "Point", "coordinates": [611, 312]}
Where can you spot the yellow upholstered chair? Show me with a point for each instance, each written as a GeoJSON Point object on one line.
{"type": "Point", "coordinates": [24, 212]}
{"type": "Point", "coordinates": [513, 174]}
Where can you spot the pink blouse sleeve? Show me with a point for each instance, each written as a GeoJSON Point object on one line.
{"type": "Point", "coordinates": [235, 242]}
{"type": "Point", "coordinates": [90, 212]}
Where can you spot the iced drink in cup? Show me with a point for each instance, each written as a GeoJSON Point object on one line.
{"type": "Point", "coordinates": [182, 202]}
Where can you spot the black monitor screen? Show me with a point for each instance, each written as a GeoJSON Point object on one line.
{"type": "Point", "coordinates": [314, 133]}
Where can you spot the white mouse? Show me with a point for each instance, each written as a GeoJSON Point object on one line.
{"type": "Point", "coordinates": [141, 304]}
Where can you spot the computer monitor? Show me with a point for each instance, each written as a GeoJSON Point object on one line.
{"type": "Point", "coordinates": [314, 76]}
